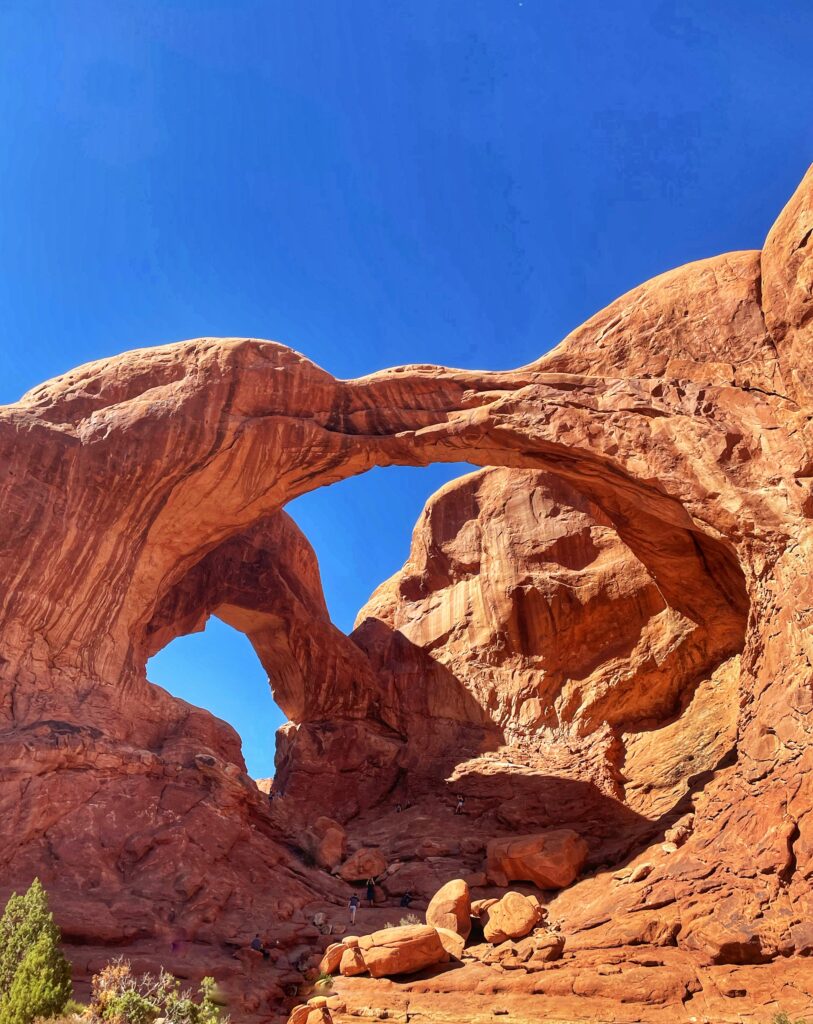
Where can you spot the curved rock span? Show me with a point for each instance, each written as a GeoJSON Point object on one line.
{"type": "Point", "coordinates": [606, 632]}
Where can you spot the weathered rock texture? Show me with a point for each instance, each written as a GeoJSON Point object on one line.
{"type": "Point", "coordinates": [610, 633]}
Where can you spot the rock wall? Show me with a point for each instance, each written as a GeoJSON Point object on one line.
{"type": "Point", "coordinates": [629, 588]}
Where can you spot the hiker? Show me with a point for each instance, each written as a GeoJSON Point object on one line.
{"type": "Point", "coordinates": [258, 947]}
{"type": "Point", "coordinates": [398, 808]}
{"type": "Point", "coordinates": [460, 801]}
{"type": "Point", "coordinates": [370, 891]}
{"type": "Point", "coordinates": [352, 906]}
{"type": "Point", "coordinates": [407, 898]}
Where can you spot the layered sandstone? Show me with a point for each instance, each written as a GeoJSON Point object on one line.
{"type": "Point", "coordinates": [607, 633]}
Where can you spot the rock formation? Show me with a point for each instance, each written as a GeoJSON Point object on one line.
{"type": "Point", "coordinates": [608, 631]}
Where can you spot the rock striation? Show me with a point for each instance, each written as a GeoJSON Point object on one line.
{"type": "Point", "coordinates": [606, 631]}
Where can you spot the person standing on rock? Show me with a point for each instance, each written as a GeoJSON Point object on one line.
{"type": "Point", "coordinates": [352, 906]}
{"type": "Point", "coordinates": [371, 891]}
{"type": "Point", "coordinates": [258, 947]}
{"type": "Point", "coordinates": [460, 801]}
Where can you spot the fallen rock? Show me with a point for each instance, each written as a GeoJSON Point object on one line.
{"type": "Point", "coordinates": [452, 942]}
{"type": "Point", "coordinates": [403, 950]}
{"type": "Point", "coordinates": [352, 959]}
{"type": "Point", "coordinates": [547, 946]}
{"type": "Point", "coordinates": [366, 863]}
{"type": "Point", "coordinates": [326, 842]}
{"type": "Point", "coordinates": [551, 859]}
{"type": "Point", "coordinates": [332, 957]}
{"type": "Point", "coordinates": [511, 917]}
{"type": "Point", "coordinates": [450, 908]}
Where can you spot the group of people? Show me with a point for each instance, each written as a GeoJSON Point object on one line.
{"type": "Point", "coordinates": [355, 901]}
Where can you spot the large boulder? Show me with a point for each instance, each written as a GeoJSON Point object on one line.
{"type": "Point", "coordinates": [352, 960]}
{"type": "Point", "coordinates": [450, 908]}
{"type": "Point", "coordinates": [551, 859]}
{"type": "Point", "coordinates": [329, 963]}
{"type": "Point", "coordinates": [326, 842]}
{"type": "Point", "coordinates": [453, 943]}
{"type": "Point", "coordinates": [511, 917]}
{"type": "Point", "coordinates": [403, 950]}
{"type": "Point", "coordinates": [366, 863]}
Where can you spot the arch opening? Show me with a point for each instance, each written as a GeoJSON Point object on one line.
{"type": "Point", "coordinates": [218, 671]}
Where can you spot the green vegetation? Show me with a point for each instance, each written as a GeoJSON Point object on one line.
{"type": "Point", "coordinates": [121, 997]}
{"type": "Point", "coordinates": [35, 978]}
{"type": "Point", "coordinates": [783, 1018]}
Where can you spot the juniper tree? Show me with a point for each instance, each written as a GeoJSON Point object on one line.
{"type": "Point", "coordinates": [35, 978]}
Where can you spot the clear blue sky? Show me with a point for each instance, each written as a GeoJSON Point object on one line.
{"type": "Point", "coordinates": [373, 182]}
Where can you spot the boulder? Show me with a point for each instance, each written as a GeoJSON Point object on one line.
{"type": "Point", "coordinates": [329, 963]}
{"type": "Point", "coordinates": [352, 962]}
{"type": "Point", "coordinates": [452, 942]}
{"type": "Point", "coordinates": [450, 908]}
{"type": "Point", "coordinates": [326, 842]}
{"type": "Point", "coordinates": [403, 950]}
{"type": "Point", "coordinates": [511, 917]}
{"type": "Point", "coordinates": [547, 946]}
{"type": "Point", "coordinates": [551, 859]}
{"type": "Point", "coordinates": [366, 863]}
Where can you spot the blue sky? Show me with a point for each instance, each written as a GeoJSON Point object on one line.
{"type": "Point", "coordinates": [372, 182]}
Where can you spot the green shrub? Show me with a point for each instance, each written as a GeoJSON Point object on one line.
{"type": "Point", "coordinates": [35, 978]}
{"type": "Point", "coordinates": [783, 1018]}
{"type": "Point", "coordinates": [121, 997]}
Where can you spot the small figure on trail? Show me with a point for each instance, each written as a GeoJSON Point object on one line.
{"type": "Point", "coordinates": [407, 898]}
{"type": "Point", "coordinates": [398, 808]}
{"type": "Point", "coordinates": [460, 801]}
{"type": "Point", "coordinates": [370, 891]}
{"type": "Point", "coordinates": [352, 906]}
{"type": "Point", "coordinates": [258, 947]}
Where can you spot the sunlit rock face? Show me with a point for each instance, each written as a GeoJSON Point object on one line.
{"type": "Point", "coordinates": [607, 631]}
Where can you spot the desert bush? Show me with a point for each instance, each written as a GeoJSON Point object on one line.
{"type": "Point", "coordinates": [121, 997]}
{"type": "Point", "coordinates": [35, 978]}
{"type": "Point", "coordinates": [783, 1018]}
{"type": "Point", "coordinates": [71, 1013]}
{"type": "Point", "coordinates": [410, 919]}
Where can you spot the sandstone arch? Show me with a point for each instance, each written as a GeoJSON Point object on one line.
{"type": "Point", "coordinates": [681, 412]}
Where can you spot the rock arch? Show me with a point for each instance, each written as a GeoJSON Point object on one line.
{"type": "Point", "coordinates": [136, 488]}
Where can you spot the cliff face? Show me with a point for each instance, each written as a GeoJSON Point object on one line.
{"type": "Point", "coordinates": [611, 630]}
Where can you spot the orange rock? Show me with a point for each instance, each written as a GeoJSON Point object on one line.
{"type": "Point", "coordinates": [352, 962]}
{"type": "Point", "coordinates": [511, 917]}
{"type": "Point", "coordinates": [450, 908]}
{"type": "Point", "coordinates": [329, 963]}
{"type": "Point", "coordinates": [452, 942]}
{"type": "Point", "coordinates": [326, 842]}
{"type": "Point", "coordinates": [363, 864]}
{"type": "Point", "coordinates": [402, 950]}
{"type": "Point", "coordinates": [550, 859]}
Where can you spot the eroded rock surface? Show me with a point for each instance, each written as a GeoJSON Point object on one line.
{"type": "Point", "coordinates": [607, 633]}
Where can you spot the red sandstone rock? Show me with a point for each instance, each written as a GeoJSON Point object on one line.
{"type": "Point", "coordinates": [511, 917]}
{"type": "Point", "coordinates": [363, 864]}
{"type": "Point", "coordinates": [606, 634]}
{"type": "Point", "coordinates": [326, 842]}
{"type": "Point", "coordinates": [550, 859]}
{"type": "Point", "coordinates": [402, 950]}
{"type": "Point", "coordinates": [450, 908]}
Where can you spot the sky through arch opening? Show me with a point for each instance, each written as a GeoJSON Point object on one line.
{"type": "Point", "coordinates": [218, 670]}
